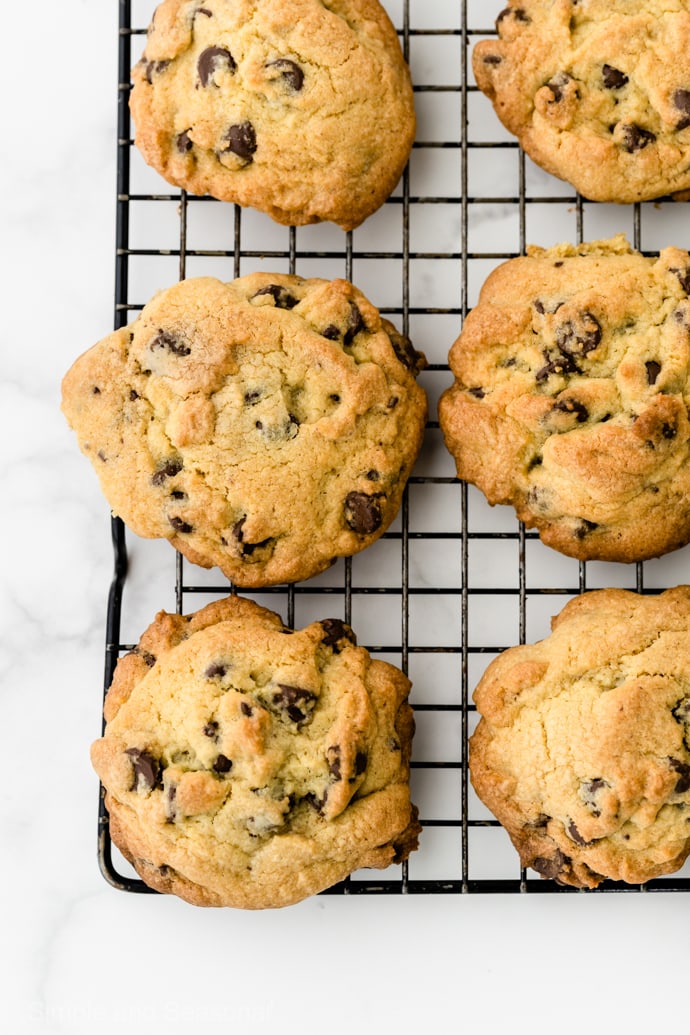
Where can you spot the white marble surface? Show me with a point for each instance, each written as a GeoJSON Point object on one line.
{"type": "Point", "coordinates": [75, 955]}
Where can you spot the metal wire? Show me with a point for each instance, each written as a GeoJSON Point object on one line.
{"type": "Point", "coordinates": [460, 843]}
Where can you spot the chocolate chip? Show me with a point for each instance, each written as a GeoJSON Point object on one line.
{"type": "Point", "coordinates": [170, 808]}
{"type": "Point", "coordinates": [146, 769]}
{"type": "Point", "coordinates": [133, 396]}
{"type": "Point", "coordinates": [573, 406]}
{"type": "Point", "coordinates": [363, 512]}
{"type": "Point", "coordinates": [211, 730]}
{"type": "Point", "coordinates": [331, 332]}
{"type": "Point", "coordinates": [146, 656]}
{"type": "Point", "coordinates": [183, 142]}
{"type": "Point", "coordinates": [336, 634]}
{"type": "Point", "coordinates": [681, 712]}
{"type": "Point", "coordinates": [334, 762]}
{"type": "Point", "coordinates": [406, 352]}
{"type": "Point", "coordinates": [354, 326]}
{"type": "Point", "coordinates": [155, 68]}
{"type": "Point", "coordinates": [280, 295]}
{"type": "Point", "coordinates": [290, 73]}
{"type": "Point", "coordinates": [683, 770]}
{"type": "Point", "coordinates": [211, 60]}
{"type": "Point", "coordinates": [577, 338]}
{"type": "Point", "coordinates": [203, 10]}
{"type": "Point", "coordinates": [561, 364]}
{"type": "Point", "coordinates": [241, 140]}
{"type": "Point", "coordinates": [478, 393]}
{"type": "Point", "coordinates": [613, 78]}
{"type": "Point", "coordinates": [653, 370]}
{"type": "Point", "coordinates": [681, 101]}
{"type": "Point", "coordinates": [171, 343]}
{"type": "Point", "coordinates": [551, 867]}
{"type": "Point", "coordinates": [361, 759]}
{"type": "Point", "coordinates": [216, 670]}
{"type": "Point", "coordinates": [245, 708]}
{"type": "Point", "coordinates": [222, 764]}
{"type": "Point", "coordinates": [517, 13]}
{"type": "Point", "coordinates": [294, 702]}
{"type": "Point", "coordinates": [252, 397]}
{"type": "Point", "coordinates": [492, 59]}
{"type": "Point", "coordinates": [683, 277]}
{"type": "Point", "coordinates": [669, 430]}
{"type": "Point", "coordinates": [557, 85]}
{"type": "Point", "coordinates": [169, 469]}
{"type": "Point", "coordinates": [585, 528]}
{"type": "Point", "coordinates": [180, 525]}
{"type": "Point", "coordinates": [575, 834]}
{"type": "Point", "coordinates": [546, 307]}
{"type": "Point", "coordinates": [316, 803]}
{"type": "Point", "coordinates": [634, 138]}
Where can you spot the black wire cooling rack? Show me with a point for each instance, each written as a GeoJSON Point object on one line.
{"type": "Point", "coordinates": [453, 582]}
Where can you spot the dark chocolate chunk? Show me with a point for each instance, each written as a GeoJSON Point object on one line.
{"type": "Point", "coordinates": [577, 338]}
{"type": "Point", "coordinates": [683, 770]}
{"type": "Point", "coordinates": [133, 395]}
{"type": "Point", "coordinates": [180, 525]}
{"type": "Point", "coordinates": [613, 78]}
{"type": "Point", "coordinates": [669, 430]}
{"type": "Point", "coordinates": [653, 370]}
{"type": "Point", "coordinates": [681, 101]}
{"type": "Point", "coordinates": [212, 59]}
{"type": "Point", "coordinates": [170, 342]}
{"type": "Point", "coordinates": [183, 142]}
{"type": "Point", "coordinates": [635, 138]}
{"type": "Point", "coordinates": [575, 835]}
{"type": "Point", "coordinates": [280, 295]}
{"type": "Point", "coordinates": [406, 352]}
{"type": "Point", "coordinates": [553, 866]}
{"type": "Point", "coordinates": [354, 326]}
{"type": "Point", "coordinates": [584, 528]}
{"type": "Point", "coordinates": [241, 141]}
{"type": "Point", "coordinates": [517, 13]}
{"type": "Point", "coordinates": [211, 730]}
{"type": "Point", "coordinates": [169, 469]}
{"type": "Point", "coordinates": [238, 532]}
{"type": "Point", "coordinates": [560, 364]}
{"type": "Point", "coordinates": [146, 769]}
{"type": "Point", "coordinates": [222, 764]}
{"type": "Point", "coordinates": [363, 512]}
{"type": "Point", "coordinates": [492, 59]}
{"type": "Point", "coordinates": [155, 68]}
{"type": "Point", "coordinates": [589, 790]}
{"type": "Point", "coordinates": [336, 633]}
{"type": "Point", "coordinates": [557, 86]}
{"type": "Point", "coordinates": [316, 803]}
{"type": "Point", "coordinates": [294, 702]}
{"type": "Point", "coordinates": [289, 72]}
{"type": "Point", "coordinates": [478, 393]}
{"type": "Point", "coordinates": [331, 332]}
{"type": "Point", "coordinates": [573, 406]}
{"type": "Point", "coordinates": [681, 712]}
{"type": "Point", "coordinates": [245, 708]}
{"type": "Point", "coordinates": [361, 759]}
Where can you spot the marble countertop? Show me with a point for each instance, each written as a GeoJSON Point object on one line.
{"type": "Point", "coordinates": [78, 956]}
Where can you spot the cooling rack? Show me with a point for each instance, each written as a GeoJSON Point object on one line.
{"type": "Point", "coordinates": [453, 582]}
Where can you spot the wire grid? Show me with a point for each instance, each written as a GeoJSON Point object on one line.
{"type": "Point", "coordinates": [453, 582]}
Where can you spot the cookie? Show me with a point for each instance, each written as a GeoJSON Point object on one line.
{"type": "Point", "coordinates": [250, 765]}
{"type": "Point", "coordinates": [571, 397]}
{"type": "Point", "coordinates": [597, 93]}
{"type": "Point", "coordinates": [266, 426]}
{"type": "Point", "coordinates": [301, 109]}
{"type": "Point", "coordinates": [583, 747]}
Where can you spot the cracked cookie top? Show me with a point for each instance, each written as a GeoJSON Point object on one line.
{"type": "Point", "coordinates": [596, 91]}
{"type": "Point", "coordinates": [267, 426]}
{"type": "Point", "coordinates": [303, 110]}
{"type": "Point", "coordinates": [583, 747]}
{"type": "Point", "coordinates": [250, 765]}
{"type": "Point", "coordinates": [571, 397]}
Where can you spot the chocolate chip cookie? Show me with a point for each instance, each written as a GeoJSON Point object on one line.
{"type": "Point", "coordinates": [571, 397]}
{"type": "Point", "coordinates": [267, 425]}
{"type": "Point", "coordinates": [583, 747]}
{"type": "Point", "coordinates": [303, 110]}
{"type": "Point", "coordinates": [597, 93]}
{"type": "Point", "coordinates": [250, 765]}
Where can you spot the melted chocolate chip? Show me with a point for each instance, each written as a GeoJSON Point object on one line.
{"type": "Point", "coordinates": [681, 101]}
{"type": "Point", "coordinates": [681, 712]}
{"type": "Point", "coordinates": [577, 338]}
{"type": "Point", "coordinates": [406, 352]}
{"type": "Point", "coordinates": [585, 528]}
{"type": "Point", "coordinates": [684, 278]}
{"type": "Point", "coordinates": [635, 138]}
{"type": "Point", "coordinates": [216, 670]}
{"type": "Point", "coordinates": [492, 59]}
{"type": "Point", "coordinates": [354, 326]}
{"type": "Point", "coordinates": [560, 364]}
{"type": "Point", "coordinates": [133, 395]}
{"type": "Point", "coordinates": [280, 295]}
{"type": "Point", "coordinates": [336, 634]}
{"type": "Point", "coordinates": [211, 60]}
{"type": "Point", "coordinates": [574, 834]}
{"type": "Point", "coordinates": [171, 343]}
{"type": "Point", "coordinates": [363, 512]}
{"type": "Point", "coordinates": [573, 406]}
{"type": "Point", "coordinates": [222, 764]}
{"type": "Point", "coordinates": [361, 759]}
{"type": "Point", "coordinates": [653, 370]}
{"type": "Point", "coordinates": [146, 769]}
{"type": "Point", "coordinates": [316, 803]}
{"type": "Point", "coordinates": [683, 770]}
{"type": "Point", "coordinates": [294, 702]}
{"type": "Point", "coordinates": [180, 525]}
{"type": "Point", "coordinates": [169, 469]}
{"type": "Point", "coordinates": [517, 13]}
{"type": "Point", "coordinates": [246, 709]}
{"type": "Point", "coordinates": [334, 762]}
{"type": "Point", "coordinates": [478, 393]}
{"type": "Point", "coordinates": [203, 10]}
{"type": "Point", "coordinates": [669, 430]}
{"type": "Point", "coordinates": [155, 68]}
{"type": "Point", "coordinates": [613, 78]}
{"type": "Point", "coordinates": [210, 730]}
{"type": "Point", "coordinates": [331, 332]}
{"type": "Point", "coordinates": [183, 142]}
{"type": "Point", "coordinates": [241, 141]}
{"type": "Point", "coordinates": [170, 807]}
{"type": "Point", "coordinates": [252, 397]}
{"type": "Point", "coordinates": [289, 72]}
{"type": "Point", "coordinates": [557, 86]}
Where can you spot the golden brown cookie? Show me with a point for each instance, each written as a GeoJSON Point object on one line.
{"type": "Point", "coordinates": [583, 748]}
{"type": "Point", "coordinates": [250, 765]}
{"type": "Point", "coordinates": [267, 426]}
{"type": "Point", "coordinates": [571, 397]}
{"type": "Point", "coordinates": [597, 93]}
{"type": "Point", "coordinates": [301, 109]}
